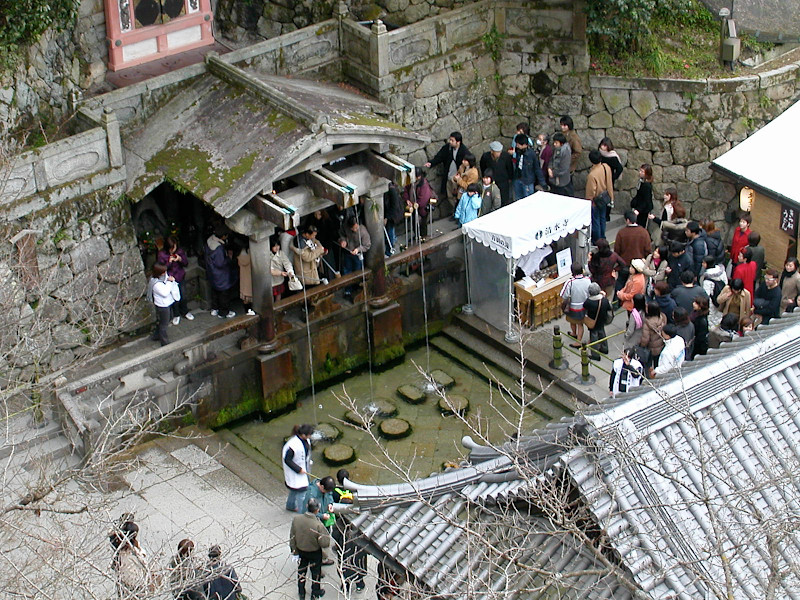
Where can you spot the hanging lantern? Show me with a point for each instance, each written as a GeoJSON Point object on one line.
{"type": "Point", "coordinates": [746, 198]}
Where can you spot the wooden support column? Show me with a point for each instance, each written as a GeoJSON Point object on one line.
{"type": "Point", "coordinates": [375, 257]}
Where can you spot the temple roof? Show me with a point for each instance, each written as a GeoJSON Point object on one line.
{"type": "Point", "coordinates": [230, 134]}
{"type": "Point", "coordinates": [692, 482]}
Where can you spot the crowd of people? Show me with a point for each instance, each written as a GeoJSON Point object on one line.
{"type": "Point", "coordinates": [188, 576]}
{"type": "Point", "coordinates": [680, 297]}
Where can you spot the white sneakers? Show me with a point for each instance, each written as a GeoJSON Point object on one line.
{"type": "Point", "coordinates": [190, 316]}
{"type": "Point", "coordinates": [230, 315]}
{"type": "Point", "coordinates": [251, 312]}
{"type": "Point", "coordinates": [214, 312]}
{"type": "Point", "coordinates": [176, 320]}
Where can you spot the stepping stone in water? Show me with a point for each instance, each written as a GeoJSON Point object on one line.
{"type": "Point", "coordinates": [384, 407]}
{"type": "Point", "coordinates": [411, 394]}
{"type": "Point", "coordinates": [442, 379]}
{"type": "Point", "coordinates": [356, 419]}
{"type": "Point", "coordinates": [338, 454]}
{"type": "Point", "coordinates": [453, 404]}
{"type": "Point", "coordinates": [326, 432]}
{"type": "Point", "coordinates": [393, 429]}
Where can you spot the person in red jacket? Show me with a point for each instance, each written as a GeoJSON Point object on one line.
{"type": "Point", "coordinates": [739, 241]}
{"type": "Point", "coordinates": [746, 271]}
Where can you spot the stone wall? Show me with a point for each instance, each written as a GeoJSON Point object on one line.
{"type": "Point", "coordinates": [72, 281]}
{"type": "Point", "coordinates": [678, 126]}
{"type": "Point", "coordinates": [58, 66]}
{"type": "Point", "coordinates": [242, 21]}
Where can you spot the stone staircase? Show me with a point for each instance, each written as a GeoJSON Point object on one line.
{"type": "Point", "coordinates": [486, 360]}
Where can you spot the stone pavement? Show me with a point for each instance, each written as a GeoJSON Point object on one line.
{"type": "Point", "coordinates": [209, 492]}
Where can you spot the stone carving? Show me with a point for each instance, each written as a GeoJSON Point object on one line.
{"type": "Point", "coordinates": [525, 22]}
{"type": "Point", "coordinates": [76, 166]}
{"type": "Point", "coordinates": [18, 184]}
{"type": "Point", "coordinates": [468, 32]}
{"type": "Point", "coordinates": [311, 51]}
{"type": "Point", "coordinates": [409, 53]}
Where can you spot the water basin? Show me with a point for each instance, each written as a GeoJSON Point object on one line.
{"type": "Point", "coordinates": [435, 439]}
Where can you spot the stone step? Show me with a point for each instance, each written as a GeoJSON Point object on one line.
{"type": "Point", "coordinates": [54, 454]}
{"type": "Point", "coordinates": [463, 346]}
{"type": "Point", "coordinates": [21, 436]}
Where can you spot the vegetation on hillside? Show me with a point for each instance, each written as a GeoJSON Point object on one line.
{"type": "Point", "coordinates": [22, 22]}
{"type": "Point", "coordinates": [657, 38]}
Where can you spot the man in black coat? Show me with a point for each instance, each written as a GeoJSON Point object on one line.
{"type": "Point", "coordinates": [502, 167]}
{"type": "Point", "coordinates": [768, 296]}
{"type": "Point", "coordinates": [450, 156]}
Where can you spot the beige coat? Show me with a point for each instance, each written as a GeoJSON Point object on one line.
{"type": "Point", "coordinates": [305, 263]}
{"type": "Point", "coordinates": [599, 180]}
{"type": "Point", "coordinates": [245, 277]}
{"type": "Point", "coordinates": [790, 290]}
{"type": "Point", "coordinates": [727, 302]}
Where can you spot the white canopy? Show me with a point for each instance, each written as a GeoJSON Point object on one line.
{"type": "Point", "coordinates": [530, 223]}
{"type": "Point", "coordinates": [764, 160]}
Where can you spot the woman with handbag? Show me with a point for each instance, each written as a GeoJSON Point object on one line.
{"type": "Point", "coordinates": [597, 309]}
{"type": "Point", "coordinates": [573, 295]}
{"type": "Point", "coordinates": [652, 339]}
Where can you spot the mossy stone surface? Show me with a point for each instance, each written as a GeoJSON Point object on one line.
{"type": "Point", "coordinates": [338, 454]}
{"type": "Point", "coordinates": [393, 429]}
{"type": "Point", "coordinates": [453, 404]}
{"type": "Point", "coordinates": [411, 394]}
{"type": "Point", "coordinates": [442, 379]}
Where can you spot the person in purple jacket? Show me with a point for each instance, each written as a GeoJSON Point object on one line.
{"type": "Point", "coordinates": [175, 258]}
{"type": "Point", "coordinates": [220, 273]}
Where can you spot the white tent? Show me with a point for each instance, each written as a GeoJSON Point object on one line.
{"type": "Point", "coordinates": [508, 234]}
{"type": "Point", "coordinates": [764, 161]}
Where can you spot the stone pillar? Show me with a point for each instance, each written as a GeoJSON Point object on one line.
{"type": "Point", "coordinates": [260, 258]}
{"type": "Point", "coordinates": [374, 259]}
{"type": "Point", "coordinates": [379, 49]}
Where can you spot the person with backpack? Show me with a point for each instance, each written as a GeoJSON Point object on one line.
{"type": "Point", "coordinates": [597, 309]}
{"type": "Point", "coordinates": [716, 247]}
{"type": "Point", "coordinates": [713, 279]}
{"type": "Point", "coordinates": [652, 339]}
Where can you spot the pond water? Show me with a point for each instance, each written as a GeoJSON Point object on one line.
{"type": "Point", "coordinates": [435, 439]}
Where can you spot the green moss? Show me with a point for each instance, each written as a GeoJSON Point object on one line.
{"type": "Point", "coordinates": [283, 124]}
{"type": "Point", "coordinates": [192, 168]}
{"type": "Point", "coordinates": [325, 29]}
{"type": "Point", "coordinates": [279, 401]}
{"type": "Point", "coordinates": [250, 402]}
{"type": "Point", "coordinates": [188, 419]}
{"type": "Point", "coordinates": [387, 354]}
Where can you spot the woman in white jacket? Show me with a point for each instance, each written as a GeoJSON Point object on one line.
{"type": "Point", "coordinates": [162, 292]}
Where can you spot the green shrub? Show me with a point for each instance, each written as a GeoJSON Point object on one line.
{"type": "Point", "coordinates": [22, 22]}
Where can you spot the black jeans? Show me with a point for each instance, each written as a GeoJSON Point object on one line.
{"type": "Point", "coordinates": [312, 560]}
{"type": "Point", "coordinates": [598, 334]}
{"type": "Point", "coordinates": [221, 300]}
{"type": "Point", "coordinates": [162, 321]}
